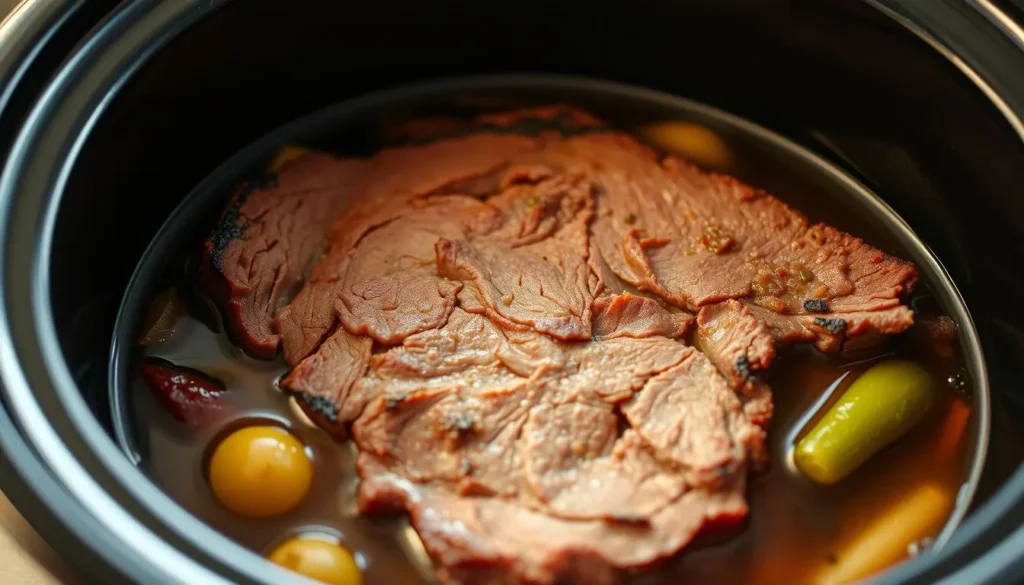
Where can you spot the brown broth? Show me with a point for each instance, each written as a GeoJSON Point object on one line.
{"type": "Point", "coordinates": [795, 528]}
{"type": "Point", "coordinates": [175, 458]}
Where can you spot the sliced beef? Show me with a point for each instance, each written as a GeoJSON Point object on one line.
{"type": "Point", "coordinates": [694, 420]}
{"type": "Point", "coordinates": [454, 434]}
{"type": "Point", "coordinates": [737, 342]}
{"type": "Point", "coordinates": [499, 541]}
{"type": "Point", "coordinates": [696, 239]}
{"type": "Point", "coordinates": [267, 238]}
{"type": "Point", "coordinates": [628, 315]}
{"type": "Point", "coordinates": [545, 287]}
{"type": "Point", "coordinates": [395, 179]}
{"type": "Point", "coordinates": [580, 468]}
{"type": "Point", "coordinates": [531, 273]}
{"type": "Point", "coordinates": [390, 308]}
{"type": "Point", "coordinates": [500, 322]}
{"type": "Point", "coordinates": [612, 370]}
{"type": "Point", "coordinates": [323, 381]}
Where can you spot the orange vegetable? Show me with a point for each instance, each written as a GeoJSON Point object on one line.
{"type": "Point", "coordinates": [953, 429]}
{"type": "Point", "coordinates": [920, 514]}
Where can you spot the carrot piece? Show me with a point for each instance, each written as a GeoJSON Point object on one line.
{"type": "Point", "coordinates": [885, 540]}
{"type": "Point", "coordinates": [953, 429]}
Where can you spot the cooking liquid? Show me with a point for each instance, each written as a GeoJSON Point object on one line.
{"type": "Point", "coordinates": [795, 530]}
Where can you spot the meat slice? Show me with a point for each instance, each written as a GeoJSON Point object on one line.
{"type": "Point", "coordinates": [323, 381]}
{"type": "Point", "coordinates": [453, 434]}
{"type": "Point", "coordinates": [267, 238]}
{"type": "Point", "coordinates": [737, 342]}
{"type": "Point", "coordinates": [390, 308]}
{"type": "Point", "coordinates": [580, 468]}
{"type": "Point", "coordinates": [693, 419]}
{"type": "Point", "coordinates": [612, 370]}
{"type": "Point", "coordinates": [531, 273]}
{"type": "Point", "coordinates": [395, 178]}
{"type": "Point", "coordinates": [545, 287]}
{"type": "Point", "coordinates": [499, 319]}
{"type": "Point", "coordinates": [468, 341]}
{"type": "Point", "coordinates": [628, 315]}
{"type": "Point", "coordinates": [696, 239]}
{"type": "Point", "coordinates": [498, 541]}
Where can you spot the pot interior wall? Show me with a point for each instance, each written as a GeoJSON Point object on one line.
{"type": "Point", "coordinates": [831, 75]}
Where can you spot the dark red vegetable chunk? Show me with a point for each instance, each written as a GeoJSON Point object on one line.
{"type": "Point", "coordinates": [188, 395]}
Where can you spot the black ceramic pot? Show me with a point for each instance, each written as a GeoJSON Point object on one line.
{"type": "Point", "coordinates": [111, 114]}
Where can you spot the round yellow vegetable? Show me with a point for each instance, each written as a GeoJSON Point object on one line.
{"type": "Point", "coordinates": [693, 141]}
{"type": "Point", "coordinates": [260, 471]}
{"type": "Point", "coordinates": [882, 405]}
{"type": "Point", "coordinates": [322, 561]}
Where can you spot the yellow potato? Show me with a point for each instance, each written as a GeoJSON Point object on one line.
{"type": "Point", "coordinates": [319, 560]}
{"type": "Point", "coordinates": [260, 471]}
{"type": "Point", "coordinates": [691, 141]}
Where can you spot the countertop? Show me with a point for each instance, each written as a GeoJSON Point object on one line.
{"type": "Point", "coordinates": [25, 559]}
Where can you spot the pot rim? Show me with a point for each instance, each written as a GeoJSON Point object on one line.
{"type": "Point", "coordinates": [31, 366]}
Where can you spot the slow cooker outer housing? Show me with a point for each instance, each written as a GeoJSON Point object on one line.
{"type": "Point", "coordinates": [917, 99]}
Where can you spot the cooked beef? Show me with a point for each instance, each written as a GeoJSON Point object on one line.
{"type": "Point", "coordinates": [579, 467]}
{"type": "Point", "coordinates": [691, 418]}
{"type": "Point", "coordinates": [696, 238]}
{"type": "Point", "coordinates": [498, 541]}
{"type": "Point", "coordinates": [266, 239]}
{"type": "Point", "coordinates": [395, 180]}
{"type": "Point", "coordinates": [628, 315]}
{"type": "Point", "coordinates": [323, 381]}
{"type": "Point", "coordinates": [737, 342]}
{"type": "Point", "coordinates": [499, 318]}
{"type": "Point", "coordinates": [531, 273]}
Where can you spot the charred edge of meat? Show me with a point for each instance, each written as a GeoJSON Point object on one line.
{"type": "Point", "coordinates": [321, 405]}
{"type": "Point", "coordinates": [228, 229]}
{"type": "Point", "coordinates": [743, 368]}
{"type": "Point", "coordinates": [833, 326]}
{"type": "Point", "coordinates": [562, 123]}
{"type": "Point", "coordinates": [816, 305]}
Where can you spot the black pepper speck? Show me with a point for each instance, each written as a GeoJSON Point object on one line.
{"type": "Point", "coordinates": [743, 368]}
{"type": "Point", "coordinates": [816, 305]}
{"type": "Point", "coordinates": [833, 326]}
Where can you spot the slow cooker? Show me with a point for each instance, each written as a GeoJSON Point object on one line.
{"type": "Point", "coordinates": [111, 112]}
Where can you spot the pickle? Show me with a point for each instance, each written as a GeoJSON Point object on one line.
{"type": "Point", "coordinates": [882, 405]}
